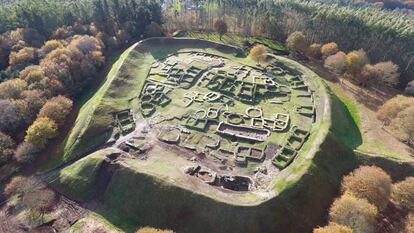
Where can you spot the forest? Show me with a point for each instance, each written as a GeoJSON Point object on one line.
{"type": "Point", "coordinates": [384, 35]}
{"type": "Point", "coordinates": [50, 52]}
{"type": "Point", "coordinates": [53, 51]}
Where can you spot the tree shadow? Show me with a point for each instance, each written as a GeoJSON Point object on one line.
{"type": "Point", "coordinates": [344, 128]}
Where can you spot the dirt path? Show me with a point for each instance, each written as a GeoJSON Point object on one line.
{"type": "Point", "coordinates": [375, 139]}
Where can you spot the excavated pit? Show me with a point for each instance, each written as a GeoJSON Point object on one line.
{"type": "Point", "coordinates": [229, 182]}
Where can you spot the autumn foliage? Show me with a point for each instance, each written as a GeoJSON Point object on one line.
{"type": "Point", "coordinates": [403, 193]}
{"type": "Point", "coordinates": [12, 89]}
{"type": "Point", "coordinates": [297, 42]}
{"type": "Point", "coordinates": [31, 194]}
{"type": "Point", "coordinates": [41, 131]}
{"type": "Point", "coordinates": [314, 51]}
{"type": "Point", "coordinates": [390, 109]}
{"type": "Point", "coordinates": [388, 72]}
{"type": "Point", "coordinates": [357, 214]}
{"type": "Point", "coordinates": [10, 118]}
{"type": "Point", "coordinates": [369, 182]}
{"type": "Point", "coordinates": [7, 145]}
{"type": "Point", "coordinates": [355, 60]}
{"type": "Point", "coordinates": [398, 114]}
{"type": "Point", "coordinates": [57, 109]}
{"type": "Point", "coordinates": [26, 152]}
{"type": "Point", "coordinates": [257, 52]}
{"type": "Point", "coordinates": [333, 228]}
{"type": "Point", "coordinates": [329, 49]}
{"type": "Point", "coordinates": [24, 56]}
{"type": "Point", "coordinates": [20, 185]}
{"type": "Point", "coordinates": [336, 63]}
{"type": "Point", "coordinates": [152, 230]}
{"type": "Point", "coordinates": [409, 224]}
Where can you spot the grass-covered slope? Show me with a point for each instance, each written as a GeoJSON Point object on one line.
{"type": "Point", "coordinates": [133, 197]}
{"type": "Point", "coordinates": [298, 208]}
{"type": "Point", "coordinates": [78, 181]}
{"type": "Point", "coordinates": [93, 124]}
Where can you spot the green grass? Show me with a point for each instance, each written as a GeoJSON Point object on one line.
{"type": "Point", "coordinates": [94, 119]}
{"type": "Point", "coordinates": [77, 226]}
{"type": "Point", "coordinates": [93, 126]}
{"type": "Point", "coordinates": [134, 196]}
{"type": "Point", "coordinates": [345, 123]}
{"type": "Point", "coordinates": [352, 109]}
{"type": "Point", "coordinates": [77, 181]}
{"type": "Point", "coordinates": [95, 218]}
{"type": "Point", "coordinates": [234, 39]}
{"type": "Point", "coordinates": [347, 110]}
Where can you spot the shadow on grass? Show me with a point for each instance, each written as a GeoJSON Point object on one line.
{"type": "Point", "coordinates": [132, 200]}
{"type": "Point", "coordinates": [344, 128]}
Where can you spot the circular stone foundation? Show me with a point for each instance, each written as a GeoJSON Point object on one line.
{"type": "Point", "coordinates": [272, 106]}
{"type": "Point", "coordinates": [207, 169]}
{"type": "Point", "coordinates": [232, 120]}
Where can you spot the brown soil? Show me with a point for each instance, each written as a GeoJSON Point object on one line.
{"type": "Point", "coordinates": [270, 150]}
{"type": "Point", "coordinates": [63, 216]}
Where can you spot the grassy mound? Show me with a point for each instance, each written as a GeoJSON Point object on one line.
{"type": "Point", "coordinates": [133, 196]}
{"type": "Point", "coordinates": [78, 181]}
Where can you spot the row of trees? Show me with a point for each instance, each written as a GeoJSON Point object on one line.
{"type": "Point", "coordinates": [47, 15]}
{"type": "Point", "coordinates": [392, 4]}
{"type": "Point", "coordinates": [384, 35]}
{"type": "Point", "coordinates": [354, 65]}
{"type": "Point", "coordinates": [367, 192]}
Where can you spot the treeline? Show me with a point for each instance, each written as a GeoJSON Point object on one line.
{"type": "Point", "coordinates": [392, 4]}
{"type": "Point", "coordinates": [402, 5]}
{"type": "Point", "coordinates": [384, 35]}
{"type": "Point", "coordinates": [43, 71]}
{"type": "Point", "coordinates": [110, 17]}
{"type": "Point", "coordinates": [46, 15]}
